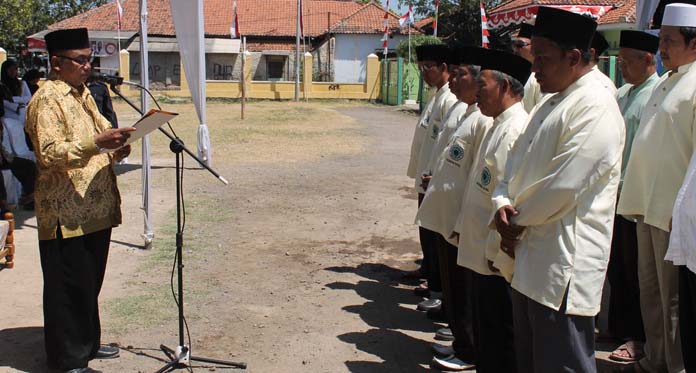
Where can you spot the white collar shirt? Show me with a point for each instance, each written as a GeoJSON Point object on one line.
{"type": "Point", "coordinates": [682, 240]}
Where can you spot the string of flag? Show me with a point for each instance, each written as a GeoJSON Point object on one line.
{"type": "Point", "coordinates": [484, 27]}
{"type": "Point", "coordinates": [385, 39]}
{"type": "Point", "coordinates": [437, 10]}
{"type": "Point", "coordinates": [234, 27]}
{"type": "Point", "coordinates": [407, 18]}
{"type": "Point", "coordinates": [119, 14]}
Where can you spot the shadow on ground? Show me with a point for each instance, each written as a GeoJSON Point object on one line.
{"type": "Point", "coordinates": [390, 311]}
{"type": "Point", "coordinates": [23, 349]}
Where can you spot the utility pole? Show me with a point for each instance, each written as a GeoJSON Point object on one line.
{"type": "Point", "coordinates": [297, 54]}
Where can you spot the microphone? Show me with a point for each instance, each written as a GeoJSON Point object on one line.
{"type": "Point", "coordinates": [107, 79]}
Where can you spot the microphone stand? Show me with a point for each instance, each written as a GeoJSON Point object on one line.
{"type": "Point", "coordinates": [180, 357]}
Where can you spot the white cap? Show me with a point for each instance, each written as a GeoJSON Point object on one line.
{"type": "Point", "coordinates": [679, 14]}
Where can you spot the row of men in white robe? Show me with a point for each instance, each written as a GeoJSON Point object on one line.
{"type": "Point", "coordinates": [530, 199]}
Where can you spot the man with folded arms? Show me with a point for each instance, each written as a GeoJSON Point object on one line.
{"type": "Point", "coordinates": [555, 204]}
{"type": "Point", "coordinates": [432, 62]}
{"type": "Point", "coordinates": [450, 163]}
{"type": "Point", "coordinates": [659, 159]}
{"type": "Point", "coordinates": [501, 88]}
{"type": "Point", "coordinates": [637, 62]}
{"type": "Point", "coordinates": [77, 201]}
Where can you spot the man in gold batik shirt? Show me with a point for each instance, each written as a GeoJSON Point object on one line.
{"type": "Point", "coordinates": [77, 201]}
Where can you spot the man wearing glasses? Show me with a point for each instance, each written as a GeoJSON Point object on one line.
{"type": "Point", "coordinates": [432, 62]}
{"type": "Point", "coordinates": [77, 201]}
{"type": "Point", "coordinates": [522, 46]}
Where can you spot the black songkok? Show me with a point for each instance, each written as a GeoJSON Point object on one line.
{"type": "Point", "coordinates": [640, 40]}
{"type": "Point", "coordinates": [439, 53]}
{"type": "Point", "coordinates": [64, 40]}
{"type": "Point", "coordinates": [600, 44]}
{"type": "Point", "coordinates": [525, 31]}
{"type": "Point", "coordinates": [505, 62]}
{"type": "Point", "coordinates": [565, 28]}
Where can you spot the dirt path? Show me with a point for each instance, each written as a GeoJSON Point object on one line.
{"type": "Point", "coordinates": [292, 268]}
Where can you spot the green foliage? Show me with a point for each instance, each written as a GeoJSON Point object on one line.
{"type": "Point", "coordinates": [416, 40]}
{"type": "Point", "coordinates": [21, 18]}
{"type": "Point", "coordinates": [459, 21]}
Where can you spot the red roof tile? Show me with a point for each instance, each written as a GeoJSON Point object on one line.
{"type": "Point", "coordinates": [625, 13]}
{"type": "Point", "coordinates": [369, 19]}
{"type": "Point", "coordinates": [256, 18]}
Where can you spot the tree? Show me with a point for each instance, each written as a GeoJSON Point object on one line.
{"type": "Point", "coordinates": [459, 21]}
{"type": "Point", "coordinates": [416, 40]}
{"type": "Point", "coordinates": [21, 18]}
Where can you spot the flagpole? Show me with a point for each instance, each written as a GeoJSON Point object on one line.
{"type": "Point", "coordinates": [297, 54]}
{"type": "Point", "coordinates": [243, 77]}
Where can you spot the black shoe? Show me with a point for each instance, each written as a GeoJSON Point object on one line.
{"type": "Point", "coordinates": [444, 334]}
{"type": "Point", "coordinates": [107, 352]}
{"type": "Point", "coordinates": [437, 315]}
{"type": "Point", "coordinates": [83, 370]}
{"type": "Point", "coordinates": [429, 304]}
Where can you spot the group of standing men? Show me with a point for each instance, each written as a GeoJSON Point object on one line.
{"type": "Point", "coordinates": [533, 172]}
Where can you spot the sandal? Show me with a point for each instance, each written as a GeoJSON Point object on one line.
{"type": "Point", "coordinates": [628, 352]}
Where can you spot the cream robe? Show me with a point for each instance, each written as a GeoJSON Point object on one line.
{"type": "Point", "coordinates": [532, 93]}
{"type": "Point", "coordinates": [421, 129]}
{"type": "Point", "coordinates": [562, 176]}
{"type": "Point", "coordinates": [429, 134]}
{"type": "Point", "coordinates": [452, 121]}
{"type": "Point", "coordinates": [661, 150]}
{"type": "Point", "coordinates": [604, 80]}
{"type": "Point", "coordinates": [442, 200]}
{"type": "Point", "coordinates": [477, 242]}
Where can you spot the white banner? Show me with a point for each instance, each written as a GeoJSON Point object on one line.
{"type": "Point", "coordinates": [190, 34]}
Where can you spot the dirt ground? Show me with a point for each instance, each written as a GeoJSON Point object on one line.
{"type": "Point", "coordinates": [293, 267]}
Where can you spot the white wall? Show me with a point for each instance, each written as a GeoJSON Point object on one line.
{"type": "Point", "coordinates": [351, 55]}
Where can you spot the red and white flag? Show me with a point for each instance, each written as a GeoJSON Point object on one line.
{"type": "Point", "coordinates": [119, 14]}
{"type": "Point", "coordinates": [385, 39]}
{"type": "Point", "coordinates": [234, 28]}
{"type": "Point", "coordinates": [407, 19]}
{"type": "Point", "coordinates": [484, 28]}
{"type": "Point", "coordinates": [302, 20]}
{"type": "Point", "coordinates": [437, 10]}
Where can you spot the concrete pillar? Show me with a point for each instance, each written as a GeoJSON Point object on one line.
{"type": "Point", "coordinates": [124, 64]}
{"type": "Point", "coordinates": [184, 87]}
{"type": "Point", "coordinates": [372, 76]}
{"type": "Point", "coordinates": [248, 62]}
{"type": "Point", "coordinates": [3, 55]}
{"type": "Point", "coordinates": [307, 74]}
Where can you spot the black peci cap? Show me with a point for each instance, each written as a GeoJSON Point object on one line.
{"type": "Point", "coordinates": [525, 31]}
{"type": "Point", "coordinates": [506, 62]}
{"type": "Point", "coordinates": [469, 55]}
{"type": "Point", "coordinates": [433, 52]}
{"type": "Point", "coordinates": [599, 44]}
{"type": "Point", "coordinates": [63, 40]}
{"type": "Point", "coordinates": [565, 27]}
{"type": "Point", "coordinates": [639, 40]}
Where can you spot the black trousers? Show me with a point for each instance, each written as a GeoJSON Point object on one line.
{"type": "Point", "coordinates": [551, 341]}
{"type": "Point", "coordinates": [24, 170]}
{"type": "Point", "coordinates": [430, 264]}
{"type": "Point", "coordinates": [493, 325]}
{"type": "Point", "coordinates": [687, 317]}
{"type": "Point", "coordinates": [625, 320]}
{"type": "Point", "coordinates": [73, 272]}
{"type": "Point", "coordinates": [457, 300]}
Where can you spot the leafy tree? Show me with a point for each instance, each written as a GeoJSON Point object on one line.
{"type": "Point", "coordinates": [21, 18]}
{"type": "Point", "coordinates": [459, 21]}
{"type": "Point", "coordinates": [416, 40]}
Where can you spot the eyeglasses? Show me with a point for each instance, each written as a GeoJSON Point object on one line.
{"type": "Point", "coordinates": [82, 60]}
{"type": "Point", "coordinates": [520, 44]}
